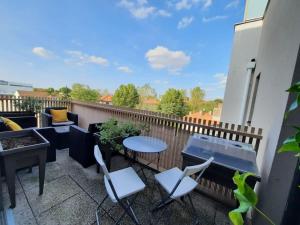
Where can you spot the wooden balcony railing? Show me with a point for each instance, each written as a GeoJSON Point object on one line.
{"type": "Point", "coordinates": [8, 103]}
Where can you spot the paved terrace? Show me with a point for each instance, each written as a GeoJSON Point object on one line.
{"type": "Point", "coordinates": [71, 195]}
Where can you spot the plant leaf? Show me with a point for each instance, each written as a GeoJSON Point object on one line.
{"type": "Point", "coordinates": [294, 88]}
{"type": "Point", "coordinates": [290, 145]}
{"type": "Point", "coordinates": [245, 195]}
{"type": "Point", "coordinates": [236, 218]}
{"type": "Point", "coordinates": [293, 106]}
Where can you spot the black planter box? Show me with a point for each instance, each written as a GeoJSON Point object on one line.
{"type": "Point", "coordinates": [107, 149]}
{"type": "Point", "coordinates": [22, 156]}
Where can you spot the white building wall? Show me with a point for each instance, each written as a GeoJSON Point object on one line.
{"type": "Point", "coordinates": [245, 46]}
{"type": "Point", "coordinates": [276, 60]}
{"type": "Point", "coordinates": [9, 88]}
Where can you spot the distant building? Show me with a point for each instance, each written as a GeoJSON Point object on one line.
{"type": "Point", "coordinates": [41, 94]}
{"type": "Point", "coordinates": [216, 115]}
{"type": "Point", "coordinates": [199, 115]}
{"type": "Point", "coordinates": [10, 88]}
{"type": "Point", "coordinates": [151, 101]}
{"type": "Point", "coordinates": [106, 99]}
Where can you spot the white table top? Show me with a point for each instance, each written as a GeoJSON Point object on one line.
{"type": "Point", "coordinates": [145, 144]}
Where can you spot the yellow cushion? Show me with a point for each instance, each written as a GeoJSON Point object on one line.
{"type": "Point", "coordinates": [11, 124]}
{"type": "Point", "coordinates": [59, 116]}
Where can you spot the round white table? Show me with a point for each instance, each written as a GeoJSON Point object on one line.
{"type": "Point", "coordinates": [145, 144]}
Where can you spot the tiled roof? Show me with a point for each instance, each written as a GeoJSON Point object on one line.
{"type": "Point", "coordinates": [200, 115]}
{"type": "Point", "coordinates": [151, 101]}
{"type": "Point", "coordinates": [33, 93]}
{"type": "Point", "coordinates": [106, 98]}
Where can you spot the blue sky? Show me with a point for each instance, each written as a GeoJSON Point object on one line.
{"type": "Point", "coordinates": [105, 43]}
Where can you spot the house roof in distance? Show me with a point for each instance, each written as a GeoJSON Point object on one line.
{"type": "Point", "coordinates": [106, 98]}
{"type": "Point", "coordinates": [33, 93]}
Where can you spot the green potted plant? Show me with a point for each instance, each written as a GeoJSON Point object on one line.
{"type": "Point", "coordinates": [111, 136]}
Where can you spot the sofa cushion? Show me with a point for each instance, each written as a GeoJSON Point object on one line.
{"type": "Point", "coordinates": [67, 123]}
{"type": "Point", "coordinates": [11, 125]}
{"type": "Point", "coordinates": [59, 115]}
{"type": "Point", "coordinates": [3, 127]}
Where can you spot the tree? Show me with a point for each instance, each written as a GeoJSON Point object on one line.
{"type": "Point", "coordinates": [51, 91]}
{"type": "Point", "coordinates": [126, 95]}
{"type": "Point", "coordinates": [105, 92]}
{"type": "Point", "coordinates": [147, 91]}
{"type": "Point", "coordinates": [147, 94]}
{"type": "Point", "coordinates": [173, 102]}
{"type": "Point", "coordinates": [197, 98]}
{"type": "Point", "coordinates": [84, 93]}
{"type": "Point", "coordinates": [65, 92]}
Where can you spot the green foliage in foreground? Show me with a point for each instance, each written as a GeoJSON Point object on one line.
{"type": "Point", "coordinates": [111, 132]}
{"type": "Point", "coordinates": [29, 104]}
{"type": "Point", "coordinates": [292, 144]}
{"type": "Point", "coordinates": [246, 197]}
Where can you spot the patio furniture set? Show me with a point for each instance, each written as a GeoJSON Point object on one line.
{"type": "Point", "coordinates": [223, 157]}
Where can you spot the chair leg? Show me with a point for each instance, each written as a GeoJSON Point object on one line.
{"type": "Point", "coordinates": [106, 212]}
{"type": "Point", "coordinates": [162, 213]}
{"type": "Point", "coordinates": [129, 211]}
{"type": "Point", "coordinates": [193, 209]}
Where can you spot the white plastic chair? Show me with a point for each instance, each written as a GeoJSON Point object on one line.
{"type": "Point", "coordinates": [120, 185]}
{"type": "Point", "coordinates": [178, 184]}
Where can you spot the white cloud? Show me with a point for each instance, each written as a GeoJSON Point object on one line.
{"type": "Point", "coordinates": [163, 82]}
{"type": "Point", "coordinates": [80, 58]}
{"type": "Point", "coordinates": [217, 85]}
{"type": "Point", "coordinates": [206, 3]}
{"type": "Point", "coordinates": [214, 18]}
{"type": "Point", "coordinates": [163, 13]}
{"type": "Point", "coordinates": [232, 4]}
{"type": "Point", "coordinates": [140, 9]}
{"type": "Point", "coordinates": [187, 4]}
{"type": "Point", "coordinates": [163, 58]}
{"type": "Point", "coordinates": [185, 22]}
{"type": "Point", "coordinates": [42, 52]}
{"type": "Point", "coordinates": [221, 79]}
{"type": "Point", "coordinates": [124, 69]}
{"type": "Point", "coordinates": [183, 4]}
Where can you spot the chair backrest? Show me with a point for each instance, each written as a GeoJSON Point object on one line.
{"type": "Point", "coordinates": [99, 158]}
{"type": "Point", "coordinates": [191, 170]}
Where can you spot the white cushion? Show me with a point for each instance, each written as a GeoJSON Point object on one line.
{"type": "Point", "coordinates": [169, 178]}
{"type": "Point", "coordinates": [63, 123]}
{"type": "Point", "coordinates": [126, 182]}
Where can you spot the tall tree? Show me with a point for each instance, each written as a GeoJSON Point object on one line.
{"type": "Point", "coordinates": [126, 95]}
{"type": "Point", "coordinates": [197, 98]}
{"type": "Point", "coordinates": [147, 91]}
{"type": "Point", "coordinates": [84, 93]}
{"type": "Point", "coordinates": [51, 91]}
{"type": "Point", "coordinates": [64, 92]}
{"type": "Point", "coordinates": [173, 102]}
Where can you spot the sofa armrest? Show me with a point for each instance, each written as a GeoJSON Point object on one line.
{"type": "Point", "coordinates": [46, 119]}
{"type": "Point", "coordinates": [81, 146]}
{"type": "Point", "coordinates": [73, 117]}
{"type": "Point", "coordinates": [50, 134]}
{"type": "Point", "coordinates": [25, 121]}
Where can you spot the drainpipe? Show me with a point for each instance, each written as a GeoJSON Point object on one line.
{"type": "Point", "coordinates": [250, 69]}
